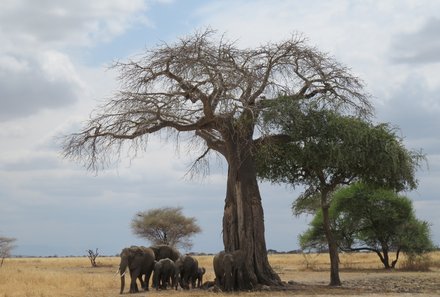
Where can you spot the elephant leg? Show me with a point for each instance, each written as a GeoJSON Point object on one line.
{"type": "Point", "coordinates": [170, 280]}
{"type": "Point", "coordinates": [219, 281]}
{"type": "Point", "coordinates": [133, 285]}
{"type": "Point", "coordinates": [132, 279]}
{"type": "Point", "coordinates": [147, 280]}
{"type": "Point", "coordinates": [187, 282]}
{"type": "Point", "coordinates": [141, 281]}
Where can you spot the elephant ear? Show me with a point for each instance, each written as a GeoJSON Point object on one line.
{"type": "Point", "coordinates": [127, 252]}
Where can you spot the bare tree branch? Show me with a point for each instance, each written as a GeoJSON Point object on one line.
{"type": "Point", "coordinates": [201, 86]}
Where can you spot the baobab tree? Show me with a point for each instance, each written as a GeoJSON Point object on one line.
{"type": "Point", "coordinates": [215, 91]}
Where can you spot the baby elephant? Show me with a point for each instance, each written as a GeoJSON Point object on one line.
{"type": "Point", "coordinates": [199, 276]}
{"type": "Point", "coordinates": [164, 274]}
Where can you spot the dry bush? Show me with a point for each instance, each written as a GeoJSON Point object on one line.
{"type": "Point", "coordinates": [414, 262]}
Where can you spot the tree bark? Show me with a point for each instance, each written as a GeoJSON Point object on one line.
{"type": "Point", "coordinates": [332, 245]}
{"type": "Point", "coordinates": [386, 258]}
{"type": "Point", "coordinates": [243, 220]}
{"type": "Point", "coordinates": [393, 264]}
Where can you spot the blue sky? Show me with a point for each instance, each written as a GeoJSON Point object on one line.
{"type": "Point", "coordinates": [54, 63]}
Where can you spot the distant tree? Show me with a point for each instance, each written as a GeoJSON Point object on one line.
{"type": "Point", "coordinates": [92, 255]}
{"type": "Point", "coordinates": [371, 219]}
{"type": "Point", "coordinates": [326, 149]}
{"type": "Point", "coordinates": [165, 225]}
{"type": "Point", "coordinates": [6, 246]}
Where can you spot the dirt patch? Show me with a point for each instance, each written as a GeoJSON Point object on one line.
{"type": "Point", "coordinates": [366, 283]}
{"type": "Point", "coordinates": [402, 283]}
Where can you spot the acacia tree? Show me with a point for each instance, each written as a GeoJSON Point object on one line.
{"type": "Point", "coordinates": [326, 150]}
{"type": "Point", "coordinates": [165, 225]}
{"type": "Point", "coordinates": [371, 219]}
{"type": "Point", "coordinates": [6, 246]}
{"type": "Point", "coordinates": [215, 91]}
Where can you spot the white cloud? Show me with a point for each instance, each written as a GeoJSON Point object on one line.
{"type": "Point", "coordinates": [68, 23]}
{"type": "Point", "coordinates": [43, 43]}
{"type": "Point", "coordinates": [38, 80]}
{"type": "Point", "coordinates": [35, 70]}
{"type": "Point", "coordinates": [358, 33]}
{"type": "Point", "coordinates": [420, 46]}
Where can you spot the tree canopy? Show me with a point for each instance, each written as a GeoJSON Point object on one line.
{"type": "Point", "coordinates": [165, 225]}
{"type": "Point", "coordinates": [324, 149]}
{"type": "Point", "coordinates": [327, 148]}
{"type": "Point", "coordinates": [372, 219]}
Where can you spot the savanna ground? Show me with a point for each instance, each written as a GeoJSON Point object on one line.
{"type": "Point", "coordinates": [361, 274]}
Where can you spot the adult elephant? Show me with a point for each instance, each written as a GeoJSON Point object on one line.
{"type": "Point", "coordinates": [163, 251]}
{"type": "Point", "coordinates": [164, 274]}
{"type": "Point", "coordinates": [186, 271]}
{"type": "Point", "coordinates": [228, 269]}
{"type": "Point", "coordinates": [139, 261]}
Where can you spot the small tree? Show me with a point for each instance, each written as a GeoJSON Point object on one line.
{"type": "Point", "coordinates": [165, 225]}
{"type": "Point", "coordinates": [6, 246]}
{"type": "Point", "coordinates": [92, 257]}
{"type": "Point", "coordinates": [371, 219]}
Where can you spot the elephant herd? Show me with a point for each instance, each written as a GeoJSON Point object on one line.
{"type": "Point", "coordinates": [168, 267]}
{"type": "Point", "coordinates": [171, 270]}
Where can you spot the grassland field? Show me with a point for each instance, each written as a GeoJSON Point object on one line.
{"type": "Point", "coordinates": [361, 274]}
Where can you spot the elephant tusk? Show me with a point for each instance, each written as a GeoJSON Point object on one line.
{"type": "Point", "coordinates": [117, 272]}
{"type": "Point", "coordinates": [122, 275]}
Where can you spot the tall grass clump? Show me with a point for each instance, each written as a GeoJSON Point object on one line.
{"type": "Point", "coordinates": [417, 262]}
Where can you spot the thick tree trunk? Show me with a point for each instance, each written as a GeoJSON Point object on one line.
{"type": "Point", "coordinates": [243, 222]}
{"type": "Point", "coordinates": [332, 245]}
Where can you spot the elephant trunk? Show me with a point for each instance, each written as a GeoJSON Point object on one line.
{"type": "Point", "coordinates": [122, 268]}
{"type": "Point", "coordinates": [122, 283]}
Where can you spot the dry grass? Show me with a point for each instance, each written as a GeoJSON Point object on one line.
{"type": "Point", "coordinates": [75, 277]}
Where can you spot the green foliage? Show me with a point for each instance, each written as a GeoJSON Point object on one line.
{"type": "Point", "coordinates": [376, 215]}
{"type": "Point", "coordinates": [369, 218]}
{"type": "Point", "coordinates": [308, 204]}
{"type": "Point", "coordinates": [416, 237]}
{"type": "Point", "coordinates": [327, 148]}
{"type": "Point", "coordinates": [314, 238]}
{"type": "Point", "coordinates": [165, 225]}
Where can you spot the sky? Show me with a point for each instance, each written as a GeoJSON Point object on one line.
{"type": "Point", "coordinates": [54, 70]}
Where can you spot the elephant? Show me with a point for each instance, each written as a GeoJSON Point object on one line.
{"type": "Point", "coordinates": [164, 273]}
{"type": "Point", "coordinates": [199, 277]}
{"type": "Point", "coordinates": [228, 269]}
{"type": "Point", "coordinates": [163, 251]}
{"type": "Point", "coordinates": [186, 272]}
{"type": "Point", "coordinates": [140, 261]}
